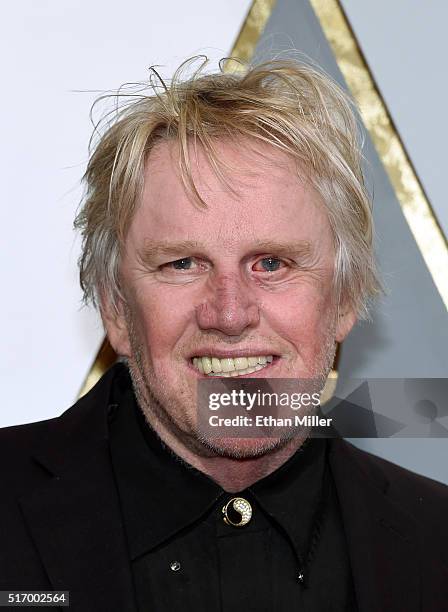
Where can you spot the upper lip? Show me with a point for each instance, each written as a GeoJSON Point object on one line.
{"type": "Point", "coordinates": [233, 353]}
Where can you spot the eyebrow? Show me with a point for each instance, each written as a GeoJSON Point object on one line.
{"type": "Point", "coordinates": [300, 248]}
{"type": "Point", "coordinates": [155, 249]}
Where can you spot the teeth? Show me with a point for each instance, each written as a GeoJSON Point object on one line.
{"type": "Point", "coordinates": [227, 365]}
{"type": "Point", "coordinates": [240, 363]}
{"type": "Point", "coordinates": [216, 365]}
{"type": "Point", "coordinates": [238, 372]}
{"type": "Point", "coordinates": [213, 366]}
{"type": "Point", "coordinates": [207, 365]}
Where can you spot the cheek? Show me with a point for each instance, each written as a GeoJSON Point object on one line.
{"type": "Point", "coordinates": [160, 319]}
{"type": "Point", "coordinates": [302, 318]}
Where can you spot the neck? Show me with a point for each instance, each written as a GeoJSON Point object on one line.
{"type": "Point", "coordinates": [235, 468]}
{"type": "Point", "coordinates": [234, 474]}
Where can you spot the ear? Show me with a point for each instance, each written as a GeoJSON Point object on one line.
{"type": "Point", "coordinates": [115, 324]}
{"type": "Point", "coordinates": [345, 322]}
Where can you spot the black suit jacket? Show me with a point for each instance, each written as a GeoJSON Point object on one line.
{"type": "Point", "coordinates": [61, 528]}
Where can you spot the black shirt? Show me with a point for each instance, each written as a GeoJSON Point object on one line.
{"type": "Point", "coordinates": [292, 554]}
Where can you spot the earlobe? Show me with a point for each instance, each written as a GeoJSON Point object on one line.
{"type": "Point", "coordinates": [115, 324]}
{"type": "Point", "coordinates": [346, 320]}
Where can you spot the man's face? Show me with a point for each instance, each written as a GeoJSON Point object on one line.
{"type": "Point", "coordinates": [243, 286]}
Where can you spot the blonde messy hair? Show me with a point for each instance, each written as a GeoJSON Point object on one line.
{"type": "Point", "coordinates": [285, 103]}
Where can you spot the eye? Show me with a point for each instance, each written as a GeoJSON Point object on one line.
{"type": "Point", "coordinates": [268, 264]}
{"type": "Point", "coordinates": [186, 263]}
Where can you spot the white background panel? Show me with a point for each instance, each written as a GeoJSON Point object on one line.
{"type": "Point", "coordinates": [51, 52]}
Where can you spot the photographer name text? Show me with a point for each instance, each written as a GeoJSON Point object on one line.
{"type": "Point", "coordinates": [269, 421]}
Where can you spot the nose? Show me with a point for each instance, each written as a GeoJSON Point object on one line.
{"type": "Point", "coordinates": [230, 306]}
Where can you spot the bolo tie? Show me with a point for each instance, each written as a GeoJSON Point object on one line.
{"type": "Point", "coordinates": [238, 512]}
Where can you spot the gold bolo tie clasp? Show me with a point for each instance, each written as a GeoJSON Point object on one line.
{"type": "Point", "coordinates": [237, 512]}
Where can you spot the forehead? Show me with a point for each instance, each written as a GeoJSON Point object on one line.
{"type": "Point", "coordinates": [264, 198]}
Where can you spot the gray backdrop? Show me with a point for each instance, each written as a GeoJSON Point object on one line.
{"type": "Point", "coordinates": [408, 336]}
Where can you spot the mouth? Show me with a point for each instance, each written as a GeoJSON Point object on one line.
{"type": "Point", "coordinates": [210, 365]}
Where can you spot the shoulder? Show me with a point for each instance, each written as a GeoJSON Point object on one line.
{"type": "Point", "coordinates": [17, 446]}
{"type": "Point", "coordinates": [20, 444]}
{"type": "Point", "coordinates": [423, 498]}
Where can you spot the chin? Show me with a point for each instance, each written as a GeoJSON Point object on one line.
{"type": "Point", "coordinates": [243, 448]}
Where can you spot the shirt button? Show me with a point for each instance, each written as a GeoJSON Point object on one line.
{"type": "Point", "coordinates": [237, 512]}
{"type": "Point", "coordinates": [175, 566]}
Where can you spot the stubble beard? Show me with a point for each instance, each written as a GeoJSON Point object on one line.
{"type": "Point", "coordinates": [153, 398]}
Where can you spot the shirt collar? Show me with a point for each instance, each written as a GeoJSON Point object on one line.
{"type": "Point", "coordinates": [155, 486]}
{"type": "Point", "coordinates": [292, 494]}
{"type": "Point", "coordinates": [160, 494]}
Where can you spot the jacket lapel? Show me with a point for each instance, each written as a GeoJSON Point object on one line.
{"type": "Point", "coordinates": [382, 537]}
{"type": "Point", "coordinates": [74, 518]}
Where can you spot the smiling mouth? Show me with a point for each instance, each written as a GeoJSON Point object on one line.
{"type": "Point", "coordinates": [231, 366]}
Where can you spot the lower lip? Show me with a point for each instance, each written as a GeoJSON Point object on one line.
{"type": "Point", "coordinates": [256, 374]}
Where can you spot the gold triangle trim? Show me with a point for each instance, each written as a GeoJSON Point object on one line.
{"type": "Point", "coordinates": [105, 358]}
{"type": "Point", "coordinates": [408, 189]}
{"type": "Point", "coordinates": [252, 28]}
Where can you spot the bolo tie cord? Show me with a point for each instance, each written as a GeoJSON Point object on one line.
{"type": "Point", "coordinates": [316, 532]}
